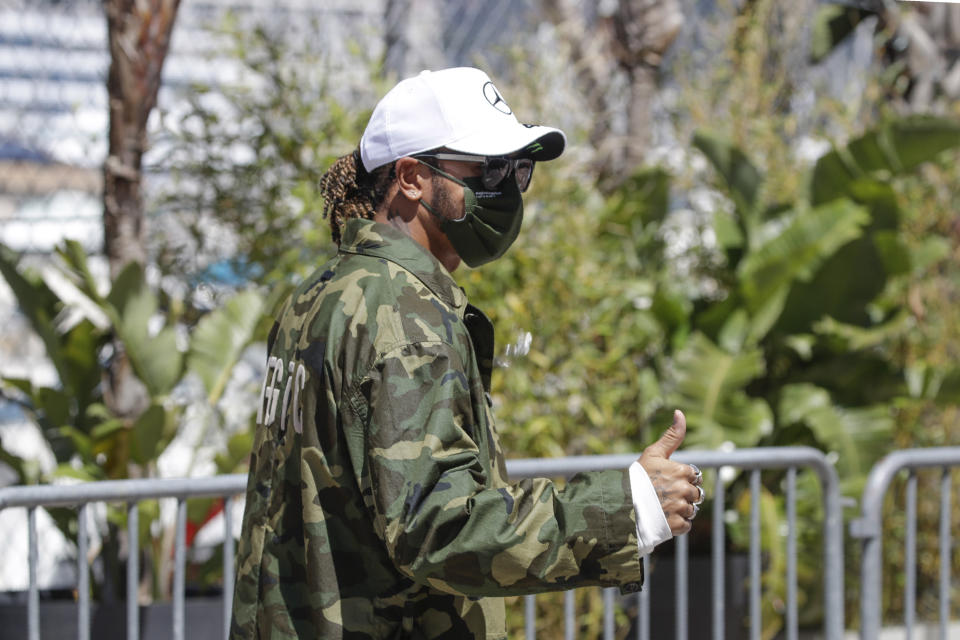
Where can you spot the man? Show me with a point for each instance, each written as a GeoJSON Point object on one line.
{"type": "Point", "coordinates": [378, 505]}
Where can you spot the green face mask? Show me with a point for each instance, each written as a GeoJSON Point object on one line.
{"type": "Point", "coordinates": [491, 219]}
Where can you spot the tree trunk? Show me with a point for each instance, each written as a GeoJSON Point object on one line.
{"type": "Point", "coordinates": [630, 39]}
{"type": "Point", "coordinates": [641, 31]}
{"type": "Point", "coordinates": [138, 33]}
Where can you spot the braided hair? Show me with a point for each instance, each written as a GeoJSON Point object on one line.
{"type": "Point", "coordinates": [349, 191]}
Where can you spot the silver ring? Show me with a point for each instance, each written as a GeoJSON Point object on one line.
{"type": "Point", "coordinates": [699, 474]}
{"type": "Point", "coordinates": [703, 495]}
{"type": "Point", "coordinates": [696, 510]}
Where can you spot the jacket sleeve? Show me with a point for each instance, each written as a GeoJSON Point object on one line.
{"type": "Point", "coordinates": [424, 475]}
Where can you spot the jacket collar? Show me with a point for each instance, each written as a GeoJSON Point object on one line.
{"type": "Point", "coordinates": [369, 238]}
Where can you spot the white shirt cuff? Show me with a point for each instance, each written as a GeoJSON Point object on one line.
{"type": "Point", "coordinates": [652, 527]}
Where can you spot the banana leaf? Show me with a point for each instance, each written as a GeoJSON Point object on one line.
{"type": "Point", "coordinates": [708, 385]}
{"type": "Point", "coordinates": [894, 148]}
{"type": "Point", "coordinates": [220, 338]}
{"type": "Point", "coordinates": [797, 252]}
{"type": "Point", "coordinates": [155, 358]}
{"type": "Point", "coordinates": [742, 178]}
{"type": "Point", "coordinates": [860, 435]}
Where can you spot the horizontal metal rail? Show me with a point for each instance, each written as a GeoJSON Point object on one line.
{"type": "Point", "coordinates": [753, 460]}
{"type": "Point", "coordinates": [131, 492]}
{"type": "Point", "coordinates": [869, 528]}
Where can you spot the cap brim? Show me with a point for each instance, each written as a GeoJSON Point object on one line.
{"type": "Point", "coordinates": [523, 140]}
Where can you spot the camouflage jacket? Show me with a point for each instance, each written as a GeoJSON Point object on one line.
{"type": "Point", "coordinates": [377, 503]}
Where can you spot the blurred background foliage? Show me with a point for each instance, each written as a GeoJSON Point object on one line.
{"type": "Point", "coordinates": [788, 276]}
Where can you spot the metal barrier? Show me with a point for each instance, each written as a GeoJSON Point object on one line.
{"type": "Point", "coordinates": [870, 530]}
{"type": "Point", "coordinates": [131, 492]}
{"type": "Point", "coordinates": [754, 460]}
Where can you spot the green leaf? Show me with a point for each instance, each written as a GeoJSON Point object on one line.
{"type": "Point", "coordinates": [38, 304]}
{"type": "Point", "coordinates": [733, 334]}
{"type": "Point", "coordinates": [21, 384]}
{"type": "Point", "coordinates": [81, 350]}
{"type": "Point", "coordinates": [893, 251]}
{"type": "Point", "coordinates": [948, 388]}
{"type": "Point", "coordinates": [831, 25]}
{"type": "Point", "coordinates": [801, 344]}
{"type": "Point", "coordinates": [81, 441]}
{"type": "Point", "coordinates": [933, 383]}
{"type": "Point", "coordinates": [86, 473]}
{"type": "Point", "coordinates": [146, 434]}
{"type": "Point", "coordinates": [16, 463]}
{"type": "Point", "coordinates": [200, 510]}
{"type": "Point", "coordinates": [894, 148]}
{"type": "Point", "coordinates": [728, 233]}
{"type": "Point", "coordinates": [644, 197]}
{"type": "Point", "coordinates": [798, 251]}
{"type": "Point", "coordinates": [708, 384]}
{"type": "Point", "coordinates": [106, 429]}
{"type": "Point", "coordinates": [855, 338]}
{"type": "Point", "coordinates": [75, 260]}
{"type": "Point", "coordinates": [859, 435]}
{"type": "Point", "coordinates": [220, 338]}
{"type": "Point", "coordinates": [670, 308]}
{"type": "Point", "coordinates": [54, 404]}
{"type": "Point", "coordinates": [831, 178]}
{"type": "Point", "coordinates": [928, 251]}
{"type": "Point", "coordinates": [765, 317]}
{"type": "Point", "coordinates": [880, 200]}
{"type": "Point", "coordinates": [742, 179]}
{"type": "Point", "coordinates": [156, 360]}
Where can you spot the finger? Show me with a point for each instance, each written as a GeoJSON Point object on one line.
{"type": "Point", "coordinates": [695, 476]}
{"type": "Point", "coordinates": [701, 497]}
{"type": "Point", "coordinates": [693, 494]}
{"type": "Point", "coordinates": [678, 524]}
{"type": "Point", "coordinates": [672, 438]}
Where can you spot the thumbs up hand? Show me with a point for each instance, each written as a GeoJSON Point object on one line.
{"type": "Point", "coordinates": [677, 484]}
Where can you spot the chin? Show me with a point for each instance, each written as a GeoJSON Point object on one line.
{"type": "Point", "coordinates": [452, 262]}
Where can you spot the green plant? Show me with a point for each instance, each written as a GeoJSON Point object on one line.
{"type": "Point", "coordinates": [81, 325]}
{"type": "Point", "coordinates": [246, 159]}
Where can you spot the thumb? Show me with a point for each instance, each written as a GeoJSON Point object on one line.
{"type": "Point", "coordinates": [672, 438]}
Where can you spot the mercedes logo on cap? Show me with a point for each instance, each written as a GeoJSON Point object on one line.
{"type": "Point", "coordinates": [494, 98]}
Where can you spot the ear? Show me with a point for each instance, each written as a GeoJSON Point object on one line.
{"type": "Point", "coordinates": [411, 178]}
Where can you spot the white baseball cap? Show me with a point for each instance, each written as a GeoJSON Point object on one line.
{"type": "Point", "coordinates": [459, 109]}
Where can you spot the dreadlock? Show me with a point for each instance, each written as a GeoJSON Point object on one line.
{"type": "Point", "coordinates": [349, 191]}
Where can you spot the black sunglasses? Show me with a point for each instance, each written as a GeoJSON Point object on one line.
{"type": "Point", "coordinates": [495, 169]}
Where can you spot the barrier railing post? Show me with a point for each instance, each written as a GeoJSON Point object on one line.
{"type": "Point", "coordinates": [755, 555]}
{"type": "Point", "coordinates": [133, 571]}
{"type": "Point", "coordinates": [868, 528]}
{"type": "Point", "coordinates": [643, 624]}
{"type": "Point", "coordinates": [791, 554]}
{"type": "Point", "coordinates": [179, 569]}
{"type": "Point", "coordinates": [910, 556]}
{"type": "Point", "coordinates": [83, 577]}
{"type": "Point", "coordinates": [33, 595]}
{"type": "Point", "coordinates": [717, 556]}
{"type": "Point", "coordinates": [530, 617]}
{"type": "Point", "coordinates": [945, 546]}
{"type": "Point", "coordinates": [228, 551]}
{"type": "Point", "coordinates": [680, 598]}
